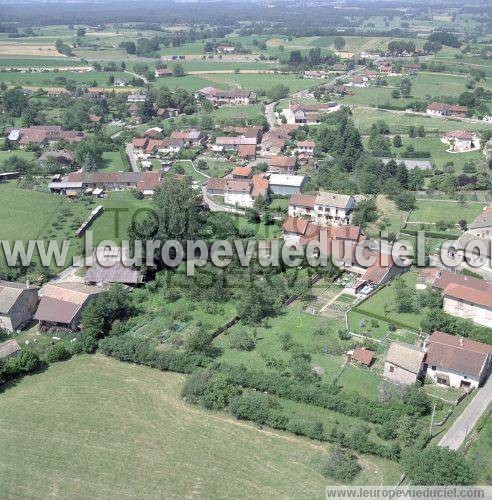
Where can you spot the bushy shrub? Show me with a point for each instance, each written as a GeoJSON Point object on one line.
{"type": "Point", "coordinates": [241, 341]}
{"type": "Point", "coordinates": [342, 465]}
{"type": "Point", "coordinates": [58, 353]}
{"type": "Point", "coordinates": [26, 361]}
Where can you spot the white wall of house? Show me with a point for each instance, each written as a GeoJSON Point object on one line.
{"type": "Point", "coordinates": [239, 199]}
{"type": "Point", "coordinates": [296, 211]}
{"type": "Point", "coordinates": [479, 315]}
{"type": "Point", "coordinates": [455, 379]}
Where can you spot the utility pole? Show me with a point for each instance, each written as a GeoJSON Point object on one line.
{"type": "Point", "coordinates": [432, 420]}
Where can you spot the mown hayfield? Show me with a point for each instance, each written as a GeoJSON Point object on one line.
{"type": "Point", "coordinates": [55, 79]}
{"type": "Point", "coordinates": [399, 123]}
{"type": "Point", "coordinates": [25, 214]}
{"type": "Point", "coordinates": [38, 62]}
{"type": "Point", "coordinates": [93, 427]}
{"type": "Point", "coordinates": [431, 211]}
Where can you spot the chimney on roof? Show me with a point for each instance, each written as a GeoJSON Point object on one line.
{"type": "Point", "coordinates": [461, 341]}
{"type": "Point", "coordinates": [27, 284]}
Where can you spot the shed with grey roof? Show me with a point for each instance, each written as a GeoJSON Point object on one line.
{"type": "Point", "coordinates": [17, 305]}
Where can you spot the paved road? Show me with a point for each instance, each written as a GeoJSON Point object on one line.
{"type": "Point", "coordinates": [215, 207]}
{"type": "Point", "coordinates": [136, 75]}
{"type": "Point", "coordinates": [464, 424]}
{"type": "Point", "coordinates": [131, 157]}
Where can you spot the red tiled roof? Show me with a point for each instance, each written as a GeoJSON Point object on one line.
{"type": "Point", "coordinates": [363, 355]}
{"type": "Point", "coordinates": [295, 225]}
{"type": "Point", "coordinates": [469, 294]}
{"type": "Point", "coordinates": [306, 144]}
{"type": "Point", "coordinates": [302, 200]}
{"type": "Point", "coordinates": [260, 186]}
{"type": "Point", "coordinates": [246, 150]}
{"type": "Point", "coordinates": [282, 161]}
{"type": "Point", "coordinates": [139, 143]}
{"type": "Point", "coordinates": [241, 171]}
{"type": "Point", "coordinates": [457, 354]}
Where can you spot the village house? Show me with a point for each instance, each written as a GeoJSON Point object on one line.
{"type": "Point", "coordinates": [357, 81]}
{"type": "Point", "coordinates": [152, 132]}
{"type": "Point", "coordinates": [234, 97]}
{"type": "Point", "coordinates": [61, 304]}
{"type": "Point", "coordinates": [403, 363]}
{"type": "Point", "coordinates": [457, 361]}
{"type": "Point", "coordinates": [226, 49]}
{"type": "Point", "coordinates": [192, 137]}
{"type": "Point", "coordinates": [57, 92]}
{"type": "Point", "coordinates": [442, 109]}
{"type": "Point", "coordinates": [42, 135]}
{"type": "Point", "coordinates": [460, 141]}
{"type": "Point", "coordinates": [242, 173]}
{"type": "Point", "coordinates": [136, 98]}
{"type": "Point", "coordinates": [305, 149]}
{"type": "Point", "coordinates": [316, 74]}
{"type": "Point", "coordinates": [324, 208]}
{"type": "Point", "coordinates": [310, 114]}
{"type": "Point", "coordinates": [282, 164]}
{"type": "Point", "coordinates": [120, 82]}
{"type": "Point", "coordinates": [17, 305]}
{"type": "Point", "coordinates": [465, 296]}
{"type": "Point", "coordinates": [78, 182]}
{"type": "Point", "coordinates": [241, 192]}
{"type": "Point", "coordinates": [163, 72]}
{"type": "Point", "coordinates": [108, 266]}
{"type": "Point", "coordinates": [166, 113]}
{"type": "Point", "coordinates": [481, 227]}
{"type": "Point", "coordinates": [273, 142]}
{"type": "Point", "coordinates": [95, 94]}
{"type": "Point", "coordinates": [227, 143]}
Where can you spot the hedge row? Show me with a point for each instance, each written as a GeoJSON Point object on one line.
{"type": "Point", "coordinates": [140, 352]}
{"type": "Point", "coordinates": [326, 396]}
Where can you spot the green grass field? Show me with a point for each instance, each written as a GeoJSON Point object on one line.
{"type": "Point", "coordinates": [26, 214]}
{"type": "Point", "coordinates": [112, 162]}
{"type": "Point", "coordinates": [382, 303]}
{"type": "Point", "coordinates": [480, 452]}
{"type": "Point", "coordinates": [448, 210]}
{"type": "Point", "coordinates": [302, 327]}
{"type": "Point", "coordinates": [94, 427]}
{"type": "Point", "coordinates": [399, 123]}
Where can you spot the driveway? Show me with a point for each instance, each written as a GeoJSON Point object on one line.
{"type": "Point", "coordinates": [456, 434]}
{"type": "Point", "coordinates": [216, 207]}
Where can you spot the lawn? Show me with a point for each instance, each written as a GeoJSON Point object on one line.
{"type": "Point", "coordinates": [313, 333]}
{"type": "Point", "coordinates": [480, 452]}
{"type": "Point", "coordinates": [25, 155]}
{"type": "Point", "coordinates": [382, 304]}
{"type": "Point", "coordinates": [391, 218]}
{"type": "Point", "coordinates": [58, 79]}
{"type": "Point", "coordinates": [119, 209]}
{"type": "Point", "coordinates": [25, 214]}
{"type": "Point", "coordinates": [188, 170]}
{"type": "Point", "coordinates": [93, 427]}
{"type": "Point", "coordinates": [399, 123]}
{"type": "Point", "coordinates": [440, 157]}
{"type": "Point", "coordinates": [32, 215]}
{"type": "Point", "coordinates": [431, 211]}
{"type": "Point", "coordinates": [112, 162]}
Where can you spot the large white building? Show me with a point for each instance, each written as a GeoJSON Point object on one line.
{"type": "Point", "coordinates": [324, 208]}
